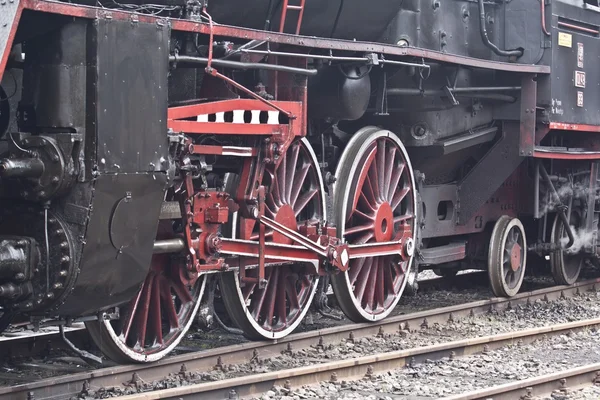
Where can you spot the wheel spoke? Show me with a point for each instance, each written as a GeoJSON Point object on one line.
{"type": "Point", "coordinates": [366, 204]}
{"type": "Point", "coordinates": [130, 315]}
{"type": "Point", "coordinates": [363, 280]}
{"type": "Point", "coordinates": [362, 176]}
{"type": "Point", "coordinates": [281, 179]}
{"type": "Point", "coordinates": [299, 180]}
{"type": "Point", "coordinates": [281, 298]}
{"type": "Point", "coordinates": [372, 282]}
{"type": "Point", "coordinates": [381, 173]}
{"type": "Point", "coordinates": [390, 282]}
{"type": "Point", "coordinates": [395, 179]}
{"type": "Point", "coordinates": [291, 171]}
{"type": "Point", "coordinates": [374, 179]}
{"type": "Point", "coordinates": [369, 192]}
{"type": "Point", "coordinates": [271, 296]}
{"type": "Point", "coordinates": [156, 318]}
{"type": "Point", "coordinates": [360, 228]}
{"type": "Point", "coordinates": [380, 288]}
{"type": "Point", "coordinates": [355, 269]}
{"type": "Point", "coordinates": [398, 197]}
{"type": "Point", "coordinates": [145, 309]}
{"type": "Point", "coordinates": [276, 191]}
{"type": "Point", "coordinates": [304, 199]}
{"type": "Point", "coordinates": [403, 218]}
{"type": "Point", "coordinates": [389, 171]}
{"type": "Point", "coordinates": [292, 295]}
{"type": "Point", "coordinates": [169, 304]}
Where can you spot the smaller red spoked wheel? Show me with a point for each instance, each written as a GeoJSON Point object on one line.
{"type": "Point", "coordinates": [296, 198]}
{"type": "Point", "coordinates": [507, 257]}
{"type": "Point", "coordinates": [375, 202]}
{"type": "Point", "coordinates": [154, 321]}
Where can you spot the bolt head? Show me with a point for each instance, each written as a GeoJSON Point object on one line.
{"type": "Point", "coordinates": [409, 247]}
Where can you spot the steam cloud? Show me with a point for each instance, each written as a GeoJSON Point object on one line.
{"type": "Point", "coordinates": [548, 203]}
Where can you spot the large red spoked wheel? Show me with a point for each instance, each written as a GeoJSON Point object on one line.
{"type": "Point", "coordinates": [375, 201]}
{"type": "Point", "coordinates": [296, 198]}
{"type": "Point", "coordinates": [154, 321]}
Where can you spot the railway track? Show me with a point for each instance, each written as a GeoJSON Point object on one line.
{"type": "Point", "coordinates": [27, 343]}
{"type": "Point", "coordinates": [69, 385]}
{"type": "Point", "coordinates": [563, 382]}
{"type": "Point", "coordinates": [368, 366]}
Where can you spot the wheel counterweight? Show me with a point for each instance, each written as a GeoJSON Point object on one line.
{"type": "Point", "coordinates": [296, 198]}
{"type": "Point", "coordinates": [375, 200]}
{"type": "Point", "coordinates": [507, 257]}
{"type": "Point", "coordinates": [153, 323]}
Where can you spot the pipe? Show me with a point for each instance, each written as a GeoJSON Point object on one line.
{"type": "Point", "coordinates": [543, 6]}
{"type": "Point", "coordinates": [486, 40]}
{"type": "Point", "coordinates": [169, 246]}
{"type": "Point", "coordinates": [561, 207]}
{"type": "Point", "coordinates": [241, 65]}
{"type": "Point", "coordinates": [21, 168]}
{"type": "Point", "coordinates": [484, 93]}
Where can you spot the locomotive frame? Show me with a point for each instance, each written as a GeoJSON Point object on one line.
{"type": "Point", "coordinates": [248, 229]}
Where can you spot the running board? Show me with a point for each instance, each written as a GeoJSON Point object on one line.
{"type": "Point", "coordinates": [565, 153]}
{"type": "Point", "coordinates": [443, 254]}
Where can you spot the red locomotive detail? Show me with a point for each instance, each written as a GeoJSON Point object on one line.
{"type": "Point", "coordinates": [154, 152]}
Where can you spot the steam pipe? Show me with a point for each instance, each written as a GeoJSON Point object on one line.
{"type": "Point", "coordinates": [486, 39]}
{"type": "Point", "coordinates": [561, 207]}
{"type": "Point", "coordinates": [544, 29]}
{"type": "Point", "coordinates": [240, 65]}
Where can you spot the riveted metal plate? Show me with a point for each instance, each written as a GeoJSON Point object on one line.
{"type": "Point", "coordinates": [8, 15]}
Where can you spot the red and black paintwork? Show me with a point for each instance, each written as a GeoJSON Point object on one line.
{"type": "Point", "coordinates": [127, 119]}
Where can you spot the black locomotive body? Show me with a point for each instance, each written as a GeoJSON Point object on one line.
{"type": "Point", "coordinates": [265, 150]}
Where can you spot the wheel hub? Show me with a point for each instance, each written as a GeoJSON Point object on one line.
{"type": "Point", "coordinates": [287, 217]}
{"type": "Point", "coordinates": [515, 257]}
{"type": "Point", "coordinates": [384, 223]}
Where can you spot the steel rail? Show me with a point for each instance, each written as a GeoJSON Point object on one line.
{"type": "Point", "coordinates": [357, 368]}
{"type": "Point", "coordinates": [69, 385]}
{"type": "Point", "coordinates": [563, 381]}
{"type": "Point", "coordinates": [28, 343]}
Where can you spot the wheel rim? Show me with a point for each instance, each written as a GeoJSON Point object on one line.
{"type": "Point", "coordinates": [565, 265]}
{"type": "Point", "coordinates": [508, 257]}
{"type": "Point", "coordinates": [296, 198]}
{"type": "Point", "coordinates": [153, 323]}
{"type": "Point", "coordinates": [375, 202]}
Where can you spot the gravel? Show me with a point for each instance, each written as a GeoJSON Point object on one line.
{"type": "Point", "coordinates": [434, 378]}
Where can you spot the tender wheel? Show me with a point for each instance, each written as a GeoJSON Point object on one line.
{"type": "Point", "coordinates": [155, 321]}
{"type": "Point", "coordinates": [565, 265]}
{"type": "Point", "coordinates": [296, 198]}
{"type": "Point", "coordinates": [507, 257]}
{"type": "Point", "coordinates": [375, 200]}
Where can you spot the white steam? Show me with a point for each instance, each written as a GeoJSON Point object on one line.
{"type": "Point", "coordinates": [583, 239]}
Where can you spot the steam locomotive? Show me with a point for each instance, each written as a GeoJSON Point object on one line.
{"type": "Point", "coordinates": [276, 148]}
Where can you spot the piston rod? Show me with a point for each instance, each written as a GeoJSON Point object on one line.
{"type": "Point", "coordinates": [169, 246]}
